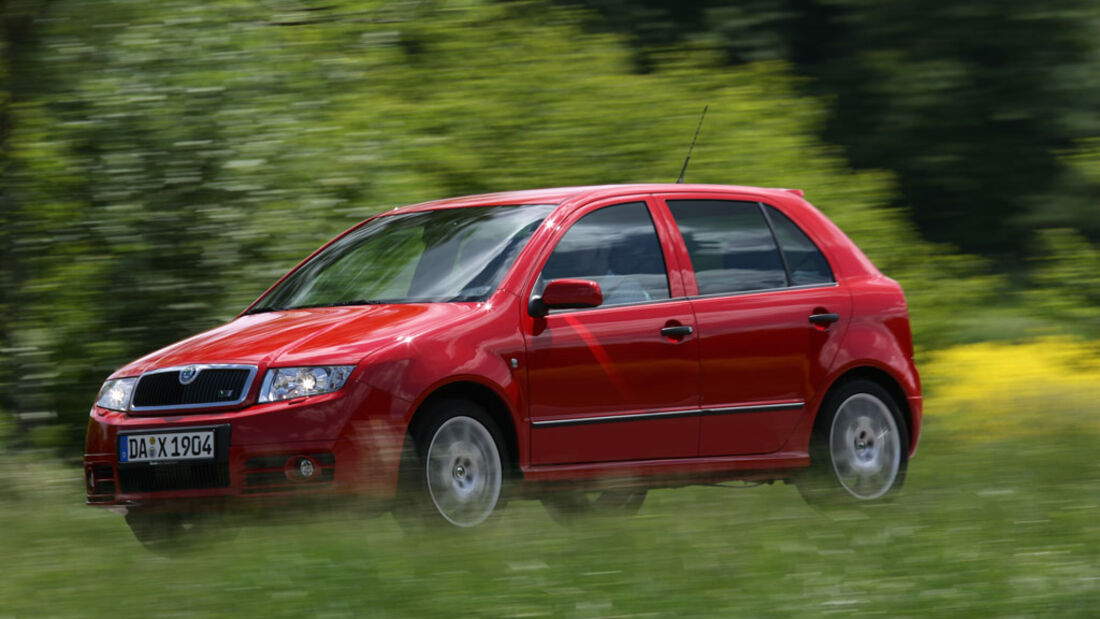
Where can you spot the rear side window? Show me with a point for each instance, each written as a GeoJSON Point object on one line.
{"type": "Point", "coordinates": [616, 247]}
{"type": "Point", "coordinates": [730, 244]}
{"type": "Point", "coordinates": [806, 262]}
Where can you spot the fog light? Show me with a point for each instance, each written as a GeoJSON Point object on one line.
{"type": "Point", "coordinates": [306, 468]}
{"type": "Point", "coordinates": [91, 481]}
{"type": "Point", "coordinates": [300, 468]}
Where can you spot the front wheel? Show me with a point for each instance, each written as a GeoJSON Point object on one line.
{"type": "Point", "coordinates": [455, 472]}
{"type": "Point", "coordinates": [860, 447]}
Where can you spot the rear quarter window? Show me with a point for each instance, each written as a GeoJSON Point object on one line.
{"type": "Point", "coordinates": [805, 261]}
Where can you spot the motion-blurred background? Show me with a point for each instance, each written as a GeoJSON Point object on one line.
{"type": "Point", "coordinates": [162, 163]}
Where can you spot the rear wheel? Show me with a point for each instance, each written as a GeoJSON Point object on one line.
{"type": "Point", "coordinates": [860, 448]}
{"type": "Point", "coordinates": [454, 470]}
{"type": "Point", "coordinates": [568, 507]}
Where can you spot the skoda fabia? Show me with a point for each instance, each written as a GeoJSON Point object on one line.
{"type": "Point", "coordinates": [578, 345]}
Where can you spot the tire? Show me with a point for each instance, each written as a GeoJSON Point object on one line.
{"type": "Point", "coordinates": [454, 471]}
{"type": "Point", "coordinates": [859, 451]}
{"type": "Point", "coordinates": [171, 534]}
{"type": "Point", "coordinates": [567, 508]}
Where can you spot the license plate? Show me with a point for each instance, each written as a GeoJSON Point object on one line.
{"type": "Point", "coordinates": [161, 446]}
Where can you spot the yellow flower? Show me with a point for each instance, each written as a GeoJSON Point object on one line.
{"type": "Point", "coordinates": [995, 390]}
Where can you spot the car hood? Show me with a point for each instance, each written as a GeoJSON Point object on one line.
{"type": "Point", "coordinates": [314, 336]}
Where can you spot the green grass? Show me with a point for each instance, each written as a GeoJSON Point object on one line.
{"type": "Point", "coordinates": [1007, 528]}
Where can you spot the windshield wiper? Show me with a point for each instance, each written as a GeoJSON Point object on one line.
{"type": "Point", "coordinates": [341, 304]}
{"type": "Point", "coordinates": [262, 309]}
{"type": "Point", "coordinates": [360, 302]}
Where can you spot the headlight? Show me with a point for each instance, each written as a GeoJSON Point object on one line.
{"type": "Point", "coordinates": [290, 383]}
{"type": "Point", "coordinates": [115, 394]}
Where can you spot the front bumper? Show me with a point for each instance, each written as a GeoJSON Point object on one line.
{"type": "Point", "coordinates": [352, 440]}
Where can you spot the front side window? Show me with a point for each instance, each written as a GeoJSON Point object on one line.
{"type": "Point", "coordinates": [616, 247]}
{"type": "Point", "coordinates": [446, 255]}
{"type": "Point", "coordinates": [730, 244]}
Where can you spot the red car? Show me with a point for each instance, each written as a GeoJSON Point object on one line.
{"type": "Point", "coordinates": [578, 345]}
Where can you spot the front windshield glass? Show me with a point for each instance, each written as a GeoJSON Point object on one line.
{"type": "Point", "coordinates": [446, 255]}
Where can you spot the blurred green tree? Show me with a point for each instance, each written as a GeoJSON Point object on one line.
{"type": "Point", "coordinates": [970, 104]}
{"type": "Point", "coordinates": [19, 87]}
{"type": "Point", "coordinates": [179, 157]}
{"type": "Point", "coordinates": [1069, 274]}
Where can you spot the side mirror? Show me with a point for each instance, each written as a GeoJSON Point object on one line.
{"type": "Point", "coordinates": [566, 294]}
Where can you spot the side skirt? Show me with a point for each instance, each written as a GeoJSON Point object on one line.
{"type": "Point", "coordinates": [671, 472]}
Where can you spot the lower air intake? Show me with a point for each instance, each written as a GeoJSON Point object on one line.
{"type": "Point", "coordinates": [166, 477]}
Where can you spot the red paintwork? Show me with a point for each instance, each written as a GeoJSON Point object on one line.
{"type": "Point", "coordinates": [746, 350]}
{"type": "Point", "coordinates": [588, 364]}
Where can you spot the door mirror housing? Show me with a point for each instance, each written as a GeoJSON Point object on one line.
{"type": "Point", "coordinates": [566, 294]}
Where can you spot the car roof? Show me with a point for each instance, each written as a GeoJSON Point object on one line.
{"type": "Point", "coordinates": [559, 195]}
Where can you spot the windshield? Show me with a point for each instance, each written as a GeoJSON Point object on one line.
{"type": "Point", "coordinates": [447, 255]}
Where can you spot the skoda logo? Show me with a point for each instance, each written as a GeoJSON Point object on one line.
{"type": "Point", "coordinates": [188, 375]}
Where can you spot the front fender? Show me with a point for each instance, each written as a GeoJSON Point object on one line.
{"type": "Point", "coordinates": [480, 349]}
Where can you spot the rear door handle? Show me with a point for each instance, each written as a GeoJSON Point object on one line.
{"type": "Point", "coordinates": [677, 331]}
{"type": "Point", "coordinates": [824, 319]}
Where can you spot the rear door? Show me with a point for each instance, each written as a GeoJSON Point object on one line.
{"type": "Point", "coordinates": [759, 280]}
{"type": "Point", "coordinates": [610, 383]}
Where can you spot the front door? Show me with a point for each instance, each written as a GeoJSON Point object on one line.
{"type": "Point", "coordinates": [619, 381]}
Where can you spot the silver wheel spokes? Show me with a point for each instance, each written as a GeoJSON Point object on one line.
{"type": "Point", "coordinates": [464, 471]}
{"type": "Point", "coordinates": [865, 446]}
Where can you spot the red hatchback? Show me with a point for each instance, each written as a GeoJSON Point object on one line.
{"type": "Point", "coordinates": [577, 345]}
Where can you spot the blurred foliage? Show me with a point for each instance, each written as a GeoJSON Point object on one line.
{"type": "Point", "coordinates": [5, 430]}
{"type": "Point", "coordinates": [1069, 274]}
{"type": "Point", "coordinates": [164, 163]}
{"type": "Point", "coordinates": [969, 103]}
{"type": "Point", "coordinates": [997, 390]}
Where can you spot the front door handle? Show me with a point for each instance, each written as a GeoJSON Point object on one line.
{"type": "Point", "coordinates": [677, 331]}
{"type": "Point", "coordinates": [824, 319]}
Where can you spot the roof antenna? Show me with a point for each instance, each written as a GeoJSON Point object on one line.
{"type": "Point", "coordinates": [680, 180]}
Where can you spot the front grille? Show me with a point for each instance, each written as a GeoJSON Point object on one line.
{"type": "Point", "coordinates": [212, 386]}
{"type": "Point", "coordinates": [164, 477]}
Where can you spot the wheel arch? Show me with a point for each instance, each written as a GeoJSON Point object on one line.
{"type": "Point", "coordinates": [885, 380]}
{"type": "Point", "coordinates": [494, 404]}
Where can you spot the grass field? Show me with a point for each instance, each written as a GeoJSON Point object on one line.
{"type": "Point", "coordinates": [988, 525]}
